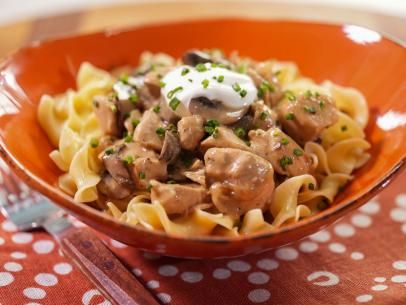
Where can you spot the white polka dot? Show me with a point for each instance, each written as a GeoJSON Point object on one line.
{"type": "Point", "coordinates": [18, 255]}
{"type": "Point", "coordinates": [308, 246]}
{"type": "Point", "coordinates": [337, 248]}
{"type": "Point", "coordinates": [137, 272]}
{"type": "Point", "coordinates": [258, 278]}
{"type": "Point", "coordinates": [8, 226]}
{"type": "Point", "coordinates": [400, 265]}
{"type": "Point", "coordinates": [286, 254]}
{"type": "Point", "coordinates": [117, 244]}
{"type": "Point", "coordinates": [21, 238]}
{"type": "Point", "coordinates": [404, 228]}
{"type": "Point", "coordinates": [43, 246]}
{"type": "Point", "coordinates": [398, 279]}
{"type": "Point", "coordinates": [191, 277]}
{"type": "Point", "coordinates": [168, 270]}
{"type": "Point", "coordinates": [164, 297]}
{"type": "Point", "coordinates": [63, 268]}
{"type": "Point", "coordinates": [239, 266]}
{"type": "Point", "coordinates": [259, 295]}
{"type": "Point", "coordinates": [321, 236]}
{"type": "Point", "coordinates": [401, 200]}
{"type": "Point", "coordinates": [2, 241]}
{"type": "Point", "coordinates": [398, 214]}
{"type": "Point", "coordinates": [46, 279]}
{"type": "Point", "coordinates": [371, 208]}
{"type": "Point", "coordinates": [6, 278]}
{"type": "Point", "coordinates": [379, 279]}
{"type": "Point", "coordinates": [153, 284]}
{"type": "Point", "coordinates": [357, 256]}
{"type": "Point", "coordinates": [330, 279]}
{"type": "Point", "coordinates": [13, 267]}
{"type": "Point", "coordinates": [267, 264]}
{"type": "Point", "coordinates": [379, 287]}
{"type": "Point", "coordinates": [34, 293]}
{"type": "Point", "coordinates": [88, 296]}
{"type": "Point", "coordinates": [361, 221]}
{"type": "Point", "coordinates": [344, 230]}
{"type": "Point", "coordinates": [221, 273]}
{"type": "Point", "coordinates": [364, 298]}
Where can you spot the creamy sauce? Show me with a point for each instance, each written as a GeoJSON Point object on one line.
{"type": "Point", "coordinates": [234, 90]}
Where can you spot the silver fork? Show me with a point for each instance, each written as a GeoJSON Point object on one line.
{"type": "Point", "coordinates": [29, 210]}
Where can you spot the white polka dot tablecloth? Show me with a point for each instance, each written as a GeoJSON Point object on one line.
{"type": "Point", "coordinates": [359, 260]}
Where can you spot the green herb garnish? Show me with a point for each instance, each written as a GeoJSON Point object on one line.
{"type": "Point", "coordinates": [174, 103]}
{"type": "Point", "coordinates": [113, 108]}
{"type": "Point", "coordinates": [290, 116]}
{"type": "Point", "coordinates": [309, 109]}
{"type": "Point", "coordinates": [160, 132]}
{"type": "Point", "coordinates": [285, 161]}
{"type": "Point", "coordinates": [185, 71]}
{"type": "Point", "coordinates": [322, 104]}
{"type": "Point", "coordinates": [109, 151]}
{"type": "Point", "coordinates": [236, 87]}
{"type": "Point", "coordinates": [201, 68]}
{"type": "Point", "coordinates": [298, 152]}
{"type": "Point", "coordinates": [157, 109]}
{"type": "Point", "coordinates": [141, 175]}
{"type": "Point", "coordinates": [174, 91]}
{"type": "Point", "coordinates": [135, 122]}
{"type": "Point", "coordinates": [94, 142]}
{"type": "Point", "coordinates": [263, 115]}
{"type": "Point", "coordinates": [240, 132]}
{"type": "Point", "coordinates": [134, 98]}
{"type": "Point", "coordinates": [243, 93]}
{"type": "Point", "coordinates": [220, 78]}
{"type": "Point", "coordinates": [205, 83]}
{"type": "Point", "coordinates": [211, 127]}
{"type": "Point", "coordinates": [123, 78]}
{"type": "Point", "coordinates": [128, 160]}
{"type": "Point", "coordinates": [290, 95]}
{"type": "Point", "coordinates": [284, 141]}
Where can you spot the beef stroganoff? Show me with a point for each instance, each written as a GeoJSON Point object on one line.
{"type": "Point", "coordinates": [205, 144]}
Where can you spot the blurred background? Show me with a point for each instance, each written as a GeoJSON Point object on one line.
{"type": "Point", "coordinates": [23, 21]}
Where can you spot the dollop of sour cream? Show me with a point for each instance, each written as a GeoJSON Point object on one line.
{"type": "Point", "coordinates": [234, 90]}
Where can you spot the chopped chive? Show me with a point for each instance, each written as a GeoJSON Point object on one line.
{"type": "Point", "coordinates": [290, 116]}
{"type": "Point", "coordinates": [214, 77]}
{"type": "Point", "coordinates": [308, 94]}
{"type": "Point", "coordinates": [298, 152]}
{"type": "Point", "coordinates": [240, 132]}
{"type": "Point", "coordinates": [205, 83]}
{"type": "Point", "coordinates": [185, 71]}
{"type": "Point", "coordinates": [201, 68]}
{"type": "Point", "coordinates": [263, 115]}
{"type": "Point", "coordinates": [344, 128]}
{"type": "Point", "coordinates": [141, 175]}
{"type": "Point", "coordinates": [290, 95]}
{"type": "Point", "coordinates": [109, 151]}
{"type": "Point", "coordinates": [242, 68]}
{"type": "Point", "coordinates": [172, 128]}
{"type": "Point", "coordinates": [211, 127]}
{"type": "Point", "coordinates": [128, 160]}
{"type": "Point", "coordinates": [135, 122]}
{"type": "Point", "coordinates": [94, 142]}
{"type": "Point", "coordinates": [174, 103]}
{"type": "Point", "coordinates": [285, 161]}
{"type": "Point", "coordinates": [236, 87]}
{"type": "Point", "coordinates": [123, 78]}
{"type": "Point", "coordinates": [316, 94]}
{"type": "Point", "coordinates": [276, 133]}
{"type": "Point", "coordinates": [157, 109]}
{"type": "Point", "coordinates": [322, 104]}
{"type": "Point", "coordinates": [149, 187]}
{"type": "Point", "coordinates": [311, 186]}
{"type": "Point", "coordinates": [128, 138]}
{"type": "Point", "coordinates": [243, 93]}
{"type": "Point", "coordinates": [113, 108]}
{"type": "Point", "coordinates": [174, 91]}
{"type": "Point", "coordinates": [265, 87]}
{"type": "Point", "coordinates": [284, 141]}
{"type": "Point", "coordinates": [309, 109]}
{"type": "Point", "coordinates": [160, 132]}
{"type": "Point", "coordinates": [190, 80]}
{"type": "Point", "coordinates": [162, 84]}
{"type": "Point", "coordinates": [220, 79]}
{"type": "Point", "coordinates": [134, 98]}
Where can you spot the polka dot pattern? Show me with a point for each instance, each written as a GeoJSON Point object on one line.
{"type": "Point", "coordinates": [33, 269]}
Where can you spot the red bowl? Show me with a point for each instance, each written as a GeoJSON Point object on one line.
{"type": "Point", "coordinates": [347, 55]}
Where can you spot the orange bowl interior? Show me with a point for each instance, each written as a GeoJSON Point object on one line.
{"type": "Point", "coordinates": [377, 68]}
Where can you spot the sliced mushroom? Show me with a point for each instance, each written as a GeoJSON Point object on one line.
{"type": "Point", "coordinates": [114, 164]}
{"type": "Point", "coordinates": [194, 57]}
{"type": "Point", "coordinates": [113, 189]}
{"type": "Point", "coordinates": [209, 109]}
{"type": "Point", "coordinates": [152, 80]}
{"type": "Point", "coordinates": [170, 148]}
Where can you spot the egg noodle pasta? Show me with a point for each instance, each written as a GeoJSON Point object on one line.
{"type": "Point", "coordinates": [174, 156]}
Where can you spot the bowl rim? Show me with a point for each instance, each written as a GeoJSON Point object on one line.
{"type": "Point", "coordinates": [77, 208]}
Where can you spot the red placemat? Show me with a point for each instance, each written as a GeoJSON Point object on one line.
{"type": "Point", "coordinates": [360, 259]}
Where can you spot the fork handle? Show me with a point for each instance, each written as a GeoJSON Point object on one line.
{"type": "Point", "coordinates": [104, 269]}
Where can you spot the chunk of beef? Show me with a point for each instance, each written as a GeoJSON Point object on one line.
{"type": "Point", "coordinates": [132, 121]}
{"type": "Point", "coordinates": [112, 189]}
{"type": "Point", "coordinates": [305, 116]}
{"type": "Point", "coordinates": [146, 131]}
{"type": "Point", "coordinates": [106, 112]}
{"type": "Point", "coordinates": [191, 131]}
{"type": "Point", "coordinates": [264, 117]}
{"type": "Point", "coordinates": [239, 180]}
{"type": "Point", "coordinates": [225, 138]}
{"type": "Point", "coordinates": [177, 198]}
{"type": "Point", "coordinates": [145, 169]}
{"type": "Point", "coordinates": [285, 155]}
